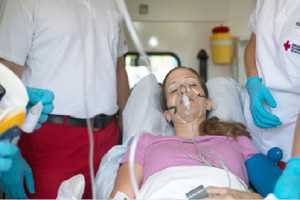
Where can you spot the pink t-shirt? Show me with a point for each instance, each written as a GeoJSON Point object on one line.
{"type": "Point", "coordinates": [155, 153]}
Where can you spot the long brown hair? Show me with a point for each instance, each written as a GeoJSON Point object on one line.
{"type": "Point", "coordinates": [212, 126]}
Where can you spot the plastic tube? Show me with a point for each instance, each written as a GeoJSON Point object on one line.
{"type": "Point", "coordinates": [132, 174]}
{"type": "Point", "coordinates": [186, 102]}
{"type": "Point", "coordinates": [89, 129]}
{"type": "Point", "coordinates": [137, 43]}
{"type": "Point", "coordinates": [91, 156]}
{"type": "Point", "coordinates": [90, 137]}
{"type": "Point", "coordinates": [133, 34]}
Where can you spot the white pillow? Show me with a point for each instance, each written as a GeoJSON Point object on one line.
{"type": "Point", "coordinates": [226, 95]}
{"type": "Point", "coordinates": [143, 112]}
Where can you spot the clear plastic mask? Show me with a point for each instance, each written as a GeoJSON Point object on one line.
{"type": "Point", "coordinates": [187, 99]}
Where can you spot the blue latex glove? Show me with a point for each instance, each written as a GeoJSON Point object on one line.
{"type": "Point", "coordinates": [9, 134]}
{"type": "Point", "coordinates": [7, 152]}
{"type": "Point", "coordinates": [263, 173]}
{"type": "Point", "coordinates": [40, 95]}
{"type": "Point", "coordinates": [288, 185]}
{"type": "Point", "coordinates": [260, 95]}
{"type": "Point", "coordinates": [12, 181]}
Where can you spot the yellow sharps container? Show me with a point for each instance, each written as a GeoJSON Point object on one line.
{"type": "Point", "coordinates": [222, 45]}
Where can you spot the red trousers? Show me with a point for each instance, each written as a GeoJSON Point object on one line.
{"type": "Point", "coordinates": [57, 152]}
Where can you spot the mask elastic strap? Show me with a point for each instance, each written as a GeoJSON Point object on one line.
{"type": "Point", "coordinates": [172, 109]}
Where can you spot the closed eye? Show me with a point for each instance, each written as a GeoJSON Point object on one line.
{"type": "Point", "coordinates": [173, 91]}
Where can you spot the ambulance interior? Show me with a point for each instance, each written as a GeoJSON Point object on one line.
{"type": "Point", "coordinates": [180, 33]}
{"type": "Point", "coordinates": [177, 33]}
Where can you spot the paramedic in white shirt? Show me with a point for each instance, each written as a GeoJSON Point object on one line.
{"type": "Point", "coordinates": [272, 60]}
{"type": "Point", "coordinates": [74, 49]}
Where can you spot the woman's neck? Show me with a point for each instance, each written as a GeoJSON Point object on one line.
{"type": "Point", "coordinates": [188, 130]}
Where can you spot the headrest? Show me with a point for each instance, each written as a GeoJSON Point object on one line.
{"type": "Point", "coordinates": [143, 112]}
{"type": "Point", "coordinates": [226, 95]}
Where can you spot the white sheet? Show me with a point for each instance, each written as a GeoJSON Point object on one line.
{"type": "Point", "coordinates": [175, 182]}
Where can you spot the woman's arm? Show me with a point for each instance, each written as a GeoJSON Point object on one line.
{"type": "Point", "coordinates": [123, 184]}
{"type": "Point", "coordinates": [122, 88]}
{"type": "Point", "coordinates": [250, 57]}
{"type": "Point", "coordinates": [230, 194]}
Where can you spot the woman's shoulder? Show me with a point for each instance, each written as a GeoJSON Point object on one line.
{"type": "Point", "coordinates": [148, 135]}
{"type": "Point", "coordinates": [242, 140]}
{"type": "Point", "coordinates": [152, 137]}
{"type": "Point", "coordinates": [238, 139]}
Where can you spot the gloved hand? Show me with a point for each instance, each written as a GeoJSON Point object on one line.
{"type": "Point", "coordinates": [46, 97]}
{"type": "Point", "coordinates": [12, 181]}
{"type": "Point", "coordinates": [260, 95]}
{"type": "Point", "coordinates": [263, 173]}
{"type": "Point", "coordinates": [10, 133]}
{"type": "Point", "coordinates": [7, 152]}
{"type": "Point", "coordinates": [288, 185]}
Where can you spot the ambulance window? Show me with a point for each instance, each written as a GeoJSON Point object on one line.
{"type": "Point", "coordinates": [161, 62]}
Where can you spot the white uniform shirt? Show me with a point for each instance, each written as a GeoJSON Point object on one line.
{"type": "Point", "coordinates": [67, 46]}
{"type": "Point", "coordinates": [277, 27]}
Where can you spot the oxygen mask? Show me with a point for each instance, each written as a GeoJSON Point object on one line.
{"type": "Point", "coordinates": [188, 103]}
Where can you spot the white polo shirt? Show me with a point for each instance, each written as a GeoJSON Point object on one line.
{"type": "Point", "coordinates": [67, 46]}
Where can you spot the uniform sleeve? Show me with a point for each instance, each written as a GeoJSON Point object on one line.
{"type": "Point", "coordinates": [16, 29]}
{"type": "Point", "coordinates": [140, 150]}
{"type": "Point", "coordinates": [252, 22]}
{"type": "Point", "coordinates": [247, 148]}
{"type": "Point", "coordinates": [253, 17]}
{"type": "Point", "coordinates": [122, 44]}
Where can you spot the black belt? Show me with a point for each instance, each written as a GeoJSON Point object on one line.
{"type": "Point", "coordinates": [99, 121]}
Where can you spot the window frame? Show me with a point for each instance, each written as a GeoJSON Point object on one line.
{"type": "Point", "coordinates": [153, 53]}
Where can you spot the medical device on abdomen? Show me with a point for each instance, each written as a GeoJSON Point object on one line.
{"type": "Point", "coordinates": [199, 192]}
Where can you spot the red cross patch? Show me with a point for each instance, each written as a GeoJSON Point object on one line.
{"type": "Point", "coordinates": [287, 45]}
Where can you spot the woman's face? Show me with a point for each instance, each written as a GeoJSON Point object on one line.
{"type": "Point", "coordinates": [185, 97]}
